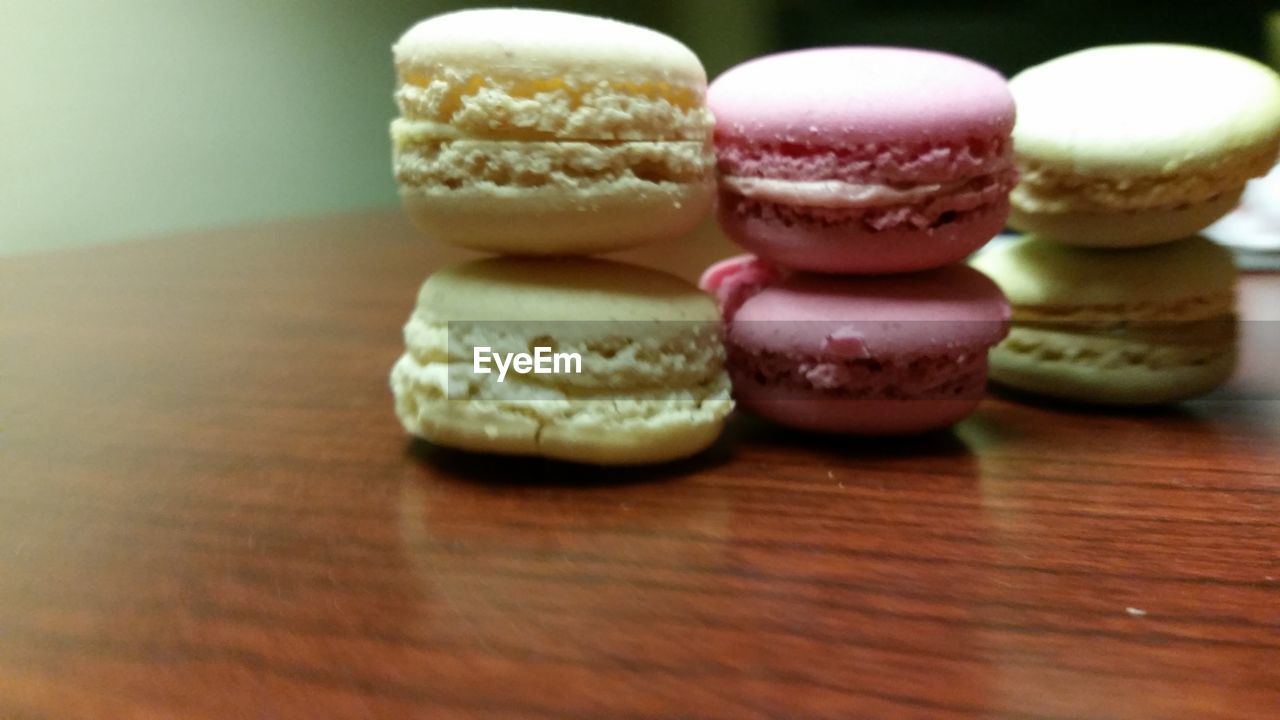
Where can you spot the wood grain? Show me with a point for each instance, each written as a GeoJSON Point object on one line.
{"type": "Point", "coordinates": [207, 510]}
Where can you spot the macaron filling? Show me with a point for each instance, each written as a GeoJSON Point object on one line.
{"type": "Point", "coordinates": [875, 186]}
{"type": "Point", "coordinates": [953, 203]}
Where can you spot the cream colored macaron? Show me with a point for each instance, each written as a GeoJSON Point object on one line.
{"type": "Point", "coordinates": [648, 383]}
{"type": "Point", "coordinates": [1131, 145]}
{"type": "Point", "coordinates": [538, 132]}
{"type": "Point", "coordinates": [1128, 327]}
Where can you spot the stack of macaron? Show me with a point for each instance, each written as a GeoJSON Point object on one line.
{"type": "Point", "coordinates": [1125, 153]}
{"type": "Point", "coordinates": [546, 137]}
{"type": "Point", "coordinates": [860, 178]}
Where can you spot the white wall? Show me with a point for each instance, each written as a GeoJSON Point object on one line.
{"type": "Point", "coordinates": [127, 118]}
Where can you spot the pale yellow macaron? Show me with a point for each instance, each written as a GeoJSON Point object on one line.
{"type": "Point", "coordinates": [1127, 326]}
{"type": "Point", "coordinates": [539, 132]}
{"type": "Point", "coordinates": [1130, 145]}
{"type": "Point", "coordinates": [634, 366]}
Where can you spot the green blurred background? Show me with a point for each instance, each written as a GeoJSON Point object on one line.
{"type": "Point", "coordinates": [135, 118]}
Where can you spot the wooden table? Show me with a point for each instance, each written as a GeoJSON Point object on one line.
{"type": "Point", "coordinates": [208, 510]}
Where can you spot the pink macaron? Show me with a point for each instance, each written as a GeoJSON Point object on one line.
{"type": "Point", "coordinates": [863, 160]}
{"type": "Point", "coordinates": [877, 355]}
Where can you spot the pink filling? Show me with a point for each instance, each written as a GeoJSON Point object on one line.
{"type": "Point", "coordinates": [921, 378]}
{"type": "Point", "coordinates": [979, 193]}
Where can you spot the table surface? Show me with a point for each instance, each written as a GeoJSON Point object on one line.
{"type": "Point", "coordinates": [208, 510]}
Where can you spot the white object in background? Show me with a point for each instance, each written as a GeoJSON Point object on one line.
{"type": "Point", "coordinates": [1253, 227]}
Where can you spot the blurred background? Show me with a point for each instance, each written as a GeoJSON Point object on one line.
{"type": "Point", "coordinates": [132, 118]}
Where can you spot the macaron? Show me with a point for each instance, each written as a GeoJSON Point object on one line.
{"type": "Point", "coordinates": [1131, 145]}
{"type": "Point", "coordinates": [1123, 327]}
{"type": "Point", "coordinates": [862, 159]}
{"type": "Point", "coordinates": [568, 358]}
{"type": "Point", "coordinates": [875, 355]}
{"type": "Point", "coordinates": [538, 132]}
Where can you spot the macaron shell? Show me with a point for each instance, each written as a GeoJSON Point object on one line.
{"type": "Point", "coordinates": [517, 74]}
{"type": "Point", "coordinates": [810, 411]}
{"type": "Point", "coordinates": [628, 429]}
{"type": "Point", "coordinates": [844, 96]}
{"type": "Point", "coordinates": [848, 247]}
{"type": "Point", "coordinates": [1145, 109]}
{"type": "Point", "coordinates": [950, 310]}
{"type": "Point", "coordinates": [1062, 376]}
{"type": "Point", "coordinates": [512, 289]}
{"type": "Point", "coordinates": [1035, 272]}
{"type": "Point", "coordinates": [552, 221]}
{"type": "Point", "coordinates": [526, 40]}
{"type": "Point", "coordinates": [1125, 229]}
{"type": "Point", "coordinates": [551, 198]}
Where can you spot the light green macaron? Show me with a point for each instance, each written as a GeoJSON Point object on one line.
{"type": "Point", "coordinates": [634, 366]}
{"type": "Point", "coordinates": [1130, 145]}
{"type": "Point", "coordinates": [1127, 327]}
